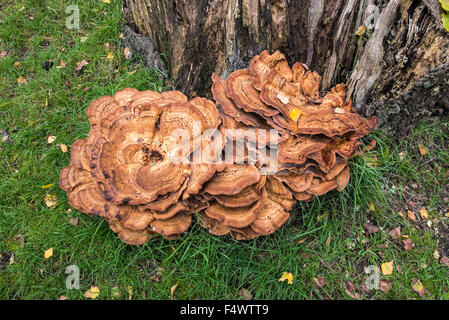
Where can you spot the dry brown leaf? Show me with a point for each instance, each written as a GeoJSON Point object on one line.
{"type": "Point", "coordinates": [62, 298]}
{"type": "Point", "coordinates": [411, 216]}
{"type": "Point", "coordinates": [408, 244]}
{"type": "Point", "coordinates": [50, 200]}
{"type": "Point", "coordinates": [445, 261]}
{"type": "Point", "coordinates": [73, 221]}
{"type": "Point", "coordinates": [245, 294]}
{"type": "Point", "coordinates": [302, 240]}
{"type": "Point", "coordinates": [384, 285]}
{"type": "Point", "coordinates": [355, 295]}
{"type": "Point", "coordinates": [319, 282]}
{"type": "Point", "coordinates": [370, 228]}
{"type": "Point", "coordinates": [328, 241]}
{"type": "Point", "coordinates": [396, 233]}
{"type": "Point", "coordinates": [127, 53]}
{"type": "Point", "coordinates": [81, 65]}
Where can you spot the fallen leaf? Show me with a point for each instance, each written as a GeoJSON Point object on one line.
{"type": "Point", "coordinates": [107, 1]}
{"type": "Point", "coordinates": [447, 215]}
{"type": "Point", "coordinates": [50, 200]}
{"type": "Point", "coordinates": [436, 255]}
{"type": "Point", "coordinates": [63, 147]}
{"type": "Point", "coordinates": [116, 292]}
{"type": "Point", "coordinates": [83, 39]}
{"type": "Point", "coordinates": [422, 150]}
{"type": "Point", "coordinates": [92, 293]}
{"type": "Point", "coordinates": [287, 276]}
{"type": "Point", "coordinates": [73, 221]}
{"type": "Point", "coordinates": [360, 30]}
{"type": "Point", "coordinates": [418, 287]}
{"type": "Point", "coordinates": [411, 216]}
{"type": "Point", "coordinates": [127, 53]}
{"type": "Point", "coordinates": [62, 65]}
{"type": "Point", "coordinates": [339, 110]}
{"type": "Point", "coordinates": [129, 289]}
{"type": "Point", "coordinates": [295, 114]}
{"type": "Point", "coordinates": [81, 65]}
{"type": "Point", "coordinates": [319, 282]}
{"type": "Point", "coordinates": [121, 36]}
{"type": "Point", "coordinates": [370, 228]}
{"type": "Point", "coordinates": [387, 268]}
{"type": "Point", "coordinates": [402, 155]}
{"type": "Point", "coordinates": [350, 286]}
{"type": "Point", "coordinates": [16, 64]}
{"type": "Point", "coordinates": [3, 54]}
{"type": "Point", "coordinates": [384, 285]}
{"type": "Point", "coordinates": [302, 240]}
{"type": "Point", "coordinates": [245, 294]}
{"type": "Point", "coordinates": [408, 244]}
{"type": "Point", "coordinates": [396, 233]}
{"type": "Point", "coordinates": [110, 56]}
{"type": "Point", "coordinates": [48, 253]}
{"type": "Point", "coordinates": [62, 298]}
{"type": "Point", "coordinates": [21, 80]}
{"type": "Point", "coordinates": [328, 241]}
{"type": "Point", "coordinates": [424, 213]}
{"type": "Point", "coordinates": [445, 261]}
{"type": "Point", "coordinates": [47, 186]}
{"type": "Point", "coordinates": [172, 289]}
{"type": "Point", "coordinates": [372, 207]}
{"type": "Point", "coordinates": [355, 295]}
{"type": "Point", "coordinates": [51, 139]}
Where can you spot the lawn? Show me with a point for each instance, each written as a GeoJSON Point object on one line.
{"type": "Point", "coordinates": [326, 245]}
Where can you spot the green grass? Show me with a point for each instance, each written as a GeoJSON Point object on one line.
{"type": "Point", "coordinates": [206, 267]}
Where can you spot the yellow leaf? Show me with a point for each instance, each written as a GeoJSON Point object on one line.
{"type": "Point", "coordinates": [47, 186]}
{"type": "Point", "coordinates": [447, 215]}
{"type": "Point", "coordinates": [172, 290]}
{"type": "Point", "coordinates": [50, 200]}
{"type": "Point", "coordinates": [417, 286]}
{"type": "Point", "coordinates": [92, 293]}
{"type": "Point", "coordinates": [295, 114]}
{"type": "Point", "coordinates": [48, 253]}
{"type": "Point", "coordinates": [121, 36]}
{"type": "Point", "coordinates": [110, 56]}
{"type": "Point", "coordinates": [63, 147]}
{"type": "Point", "coordinates": [287, 276]}
{"type": "Point", "coordinates": [445, 4]}
{"type": "Point", "coordinates": [424, 213]}
{"type": "Point", "coordinates": [107, 1]}
{"type": "Point", "coordinates": [372, 207]}
{"type": "Point", "coordinates": [21, 80]}
{"type": "Point", "coordinates": [422, 150]}
{"type": "Point", "coordinates": [361, 30]}
{"type": "Point", "coordinates": [130, 292]}
{"type": "Point", "coordinates": [387, 268]}
{"type": "Point", "coordinates": [17, 64]}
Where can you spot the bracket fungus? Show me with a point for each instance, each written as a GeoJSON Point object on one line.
{"type": "Point", "coordinates": [152, 160]}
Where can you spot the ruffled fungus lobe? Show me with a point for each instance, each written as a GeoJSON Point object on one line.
{"type": "Point", "coordinates": [153, 159]}
{"type": "Point", "coordinates": [133, 169]}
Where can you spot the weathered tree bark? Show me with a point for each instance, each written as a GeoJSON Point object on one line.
{"type": "Point", "coordinates": [397, 69]}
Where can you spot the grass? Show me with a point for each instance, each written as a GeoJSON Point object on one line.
{"type": "Point", "coordinates": [336, 248]}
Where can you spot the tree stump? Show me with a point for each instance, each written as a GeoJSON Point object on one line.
{"type": "Point", "coordinates": [393, 55]}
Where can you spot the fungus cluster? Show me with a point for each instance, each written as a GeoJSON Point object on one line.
{"type": "Point", "coordinates": [152, 160]}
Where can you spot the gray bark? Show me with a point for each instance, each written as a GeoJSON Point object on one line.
{"type": "Point", "coordinates": [396, 70]}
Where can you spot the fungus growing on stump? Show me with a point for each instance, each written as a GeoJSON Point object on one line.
{"type": "Point", "coordinates": [152, 160]}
